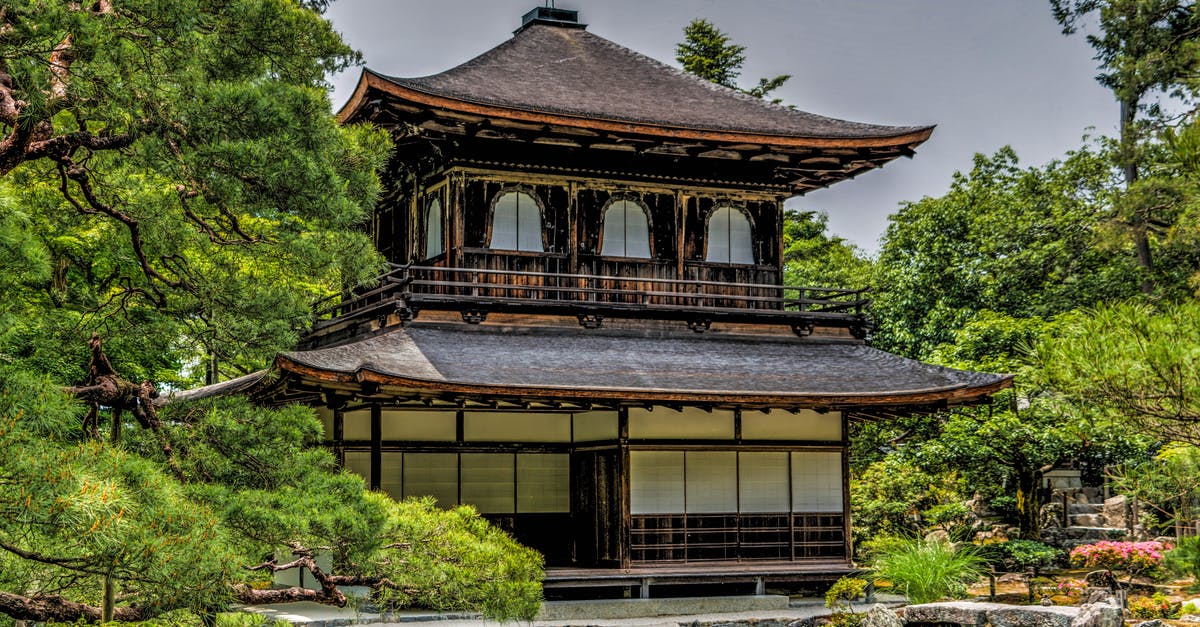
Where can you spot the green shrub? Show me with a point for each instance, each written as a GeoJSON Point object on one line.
{"type": "Point", "coordinates": [925, 570]}
{"type": "Point", "coordinates": [843, 592]}
{"type": "Point", "coordinates": [839, 598]}
{"type": "Point", "coordinates": [1028, 555]}
{"type": "Point", "coordinates": [1156, 606]}
{"type": "Point", "coordinates": [1184, 559]}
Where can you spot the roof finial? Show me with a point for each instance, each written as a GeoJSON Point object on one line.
{"type": "Point", "coordinates": [552, 16]}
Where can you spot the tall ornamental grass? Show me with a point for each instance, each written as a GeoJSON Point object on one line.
{"type": "Point", "coordinates": [928, 570]}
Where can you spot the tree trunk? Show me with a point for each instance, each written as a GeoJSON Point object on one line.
{"type": "Point", "coordinates": [52, 607]}
{"type": "Point", "coordinates": [1129, 165]}
{"type": "Point", "coordinates": [1028, 505]}
{"type": "Point", "coordinates": [110, 599]}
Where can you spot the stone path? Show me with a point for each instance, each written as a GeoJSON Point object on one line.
{"type": "Point", "coordinates": [314, 615]}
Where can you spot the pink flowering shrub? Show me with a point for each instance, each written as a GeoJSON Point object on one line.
{"type": "Point", "coordinates": [1071, 588]}
{"type": "Point", "coordinates": [1135, 558]}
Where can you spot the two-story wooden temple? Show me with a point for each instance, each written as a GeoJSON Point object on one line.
{"type": "Point", "coordinates": [586, 332]}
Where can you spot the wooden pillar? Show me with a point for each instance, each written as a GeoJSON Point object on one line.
{"type": "Point", "coordinates": [680, 233]}
{"type": "Point", "coordinates": [623, 472]}
{"type": "Point", "coordinates": [573, 221]}
{"type": "Point", "coordinates": [779, 240]}
{"type": "Point", "coordinates": [339, 436]}
{"type": "Point", "coordinates": [458, 191]}
{"type": "Point", "coordinates": [846, 485]}
{"type": "Point", "coordinates": [376, 446]}
{"type": "Point", "coordinates": [414, 216]}
{"type": "Point", "coordinates": [791, 496]}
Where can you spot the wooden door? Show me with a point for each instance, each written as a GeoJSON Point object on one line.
{"type": "Point", "coordinates": [596, 508]}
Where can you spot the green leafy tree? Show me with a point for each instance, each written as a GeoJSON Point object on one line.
{"type": "Point", "coordinates": [1144, 47]}
{"type": "Point", "coordinates": [812, 256]}
{"type": "Point", "coordinates": [179, 181]}
{"type": "Point", "coordinates": [1166, 483]}
{"type": "Point", "coordinates": [97, 530]}
{"type": "Point", "coordinates": [1021, 242]}
{"type": "Point", "coordinates": [1137, 364]}
{"type": "Point", "coordinates": [888, 497]}
{"type": "Point", "coordinates": [708, 53]}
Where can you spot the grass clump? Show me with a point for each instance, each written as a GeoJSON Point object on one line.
{"type": "Point", "coordinates": [928, 570]}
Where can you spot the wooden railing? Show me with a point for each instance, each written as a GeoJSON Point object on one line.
{"type": "Point", "coordinates": [541, 288]}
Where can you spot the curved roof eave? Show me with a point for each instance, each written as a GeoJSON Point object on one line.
{"type": "Point", "coordinates": [952, 394]}
{"type": "Point", "coordinates": [372, 80]}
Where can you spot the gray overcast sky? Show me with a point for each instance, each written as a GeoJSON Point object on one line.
{"type": "Point", "coordinates": [987, 72]}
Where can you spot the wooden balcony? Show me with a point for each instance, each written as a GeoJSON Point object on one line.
{"type": "Point", "coordinates": [538, 283]}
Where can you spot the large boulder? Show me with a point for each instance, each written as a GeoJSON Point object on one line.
{"type": "Point", "coordinates": [1099, 615]}
{"type": "Point", "coordinates": [953, 612]}
{"type": "Point", "coordinates": [993, 614]}
{"type": "Point", "coordinates": [1114, 512]}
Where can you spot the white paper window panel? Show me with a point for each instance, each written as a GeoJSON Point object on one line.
{"type": "Point", "coordinates": [529, 224]}
{"type": "Point", "coordinates": [488, 482]}
{"type": "Point", "coordinates": [359, 463]}
{"type": "Point", "coordinates": [741, 245]}
{"type": "Point", "coordinates": [432, 474]}
{"type": "Point", "coordinates": [356, 425]}
{"type": "Point", "coordinates": [433, 224]}
{"type": "Point", "coordinates": [419, 426]}
{"type": "Point", "coordinates": [816, 481]}
{"type": "Point", "coordinates": [763, 481]}
{"type": "Point", "coordinates": [718, 236]}
{"type": "Point", "coordinates": [692, 423]}
{"type": "Point", "coordinates": [613, 240]}
{"type": "Point", "coordinates": [504, 223]}
{"type": "Point", "coordinates": [543, 483]}
{"type": "Point", "coordinates": [656, 482]}
{"type": "Point", "coordinates": [711, 482]}
{"type": "Point", "coordinates": [591, 426]}
{"type": "Point", "coordinates": [784, 425]}
{"type": "Point", "coordinates": [516, 427]}
{"type": "Point", "coordinates": [391, 474]}
{"type": "Point", "coordinates": [326, 416]}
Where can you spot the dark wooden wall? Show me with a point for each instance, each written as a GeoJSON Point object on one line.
{"type": "Point", "coordinates": [572, 222]}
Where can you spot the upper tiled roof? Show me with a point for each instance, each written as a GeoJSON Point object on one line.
{"type": "Point", "coordinates": [571, 72]}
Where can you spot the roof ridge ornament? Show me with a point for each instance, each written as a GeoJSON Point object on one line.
{"type": "Point", "coordinates": [551, 16]}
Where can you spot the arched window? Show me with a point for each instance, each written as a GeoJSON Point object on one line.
{"type": "Point", "coordinates": [434, 245]}
{"type": "Point", "coordinates": [516, 222]}
{"type": "Point", "coordinates": [729, 238]}
{"type": "Point", "coordinates": [626, 230]}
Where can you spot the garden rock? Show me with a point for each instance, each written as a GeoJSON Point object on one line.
{"type": "Point", "coordinates": [1099, 615]}
{"type": "Point", "coordinates": [1031, 616]}
{"type": "Point", "coordinates": [1050, 516]}
{"type": "Point", "coordinates": [993, 614]}
{"type": "Point", "coordinates": [1152, 623]}
{"type": "Point", "coordinates": [938, 535]}
{"type": "Point", "coordinates": [1092, 596]}
{"type": "Point", "coordinates": [954, 613]}
{"type": "Point", "coordinates": [880, 616]}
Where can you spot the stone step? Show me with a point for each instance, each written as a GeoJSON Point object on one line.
{"type": "Point", "coordinates": [1088, 520]}
{"type": "Point", "coordinates": [1086, 508]}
